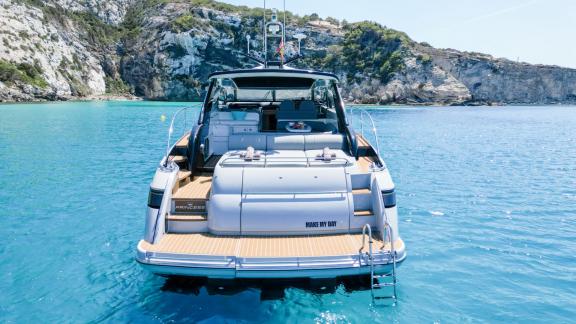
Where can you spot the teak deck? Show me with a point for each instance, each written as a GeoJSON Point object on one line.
{"type": "Point", "coordinates": [362, 142]}
{"type": "Point", "coordinates": [263, 246]}
{"type": "Point", "coordinates": [198, 188]}
{"type": "Point", "coordinates": [364, 163]}
{"type": "Point", "coordinates": [183, 141]}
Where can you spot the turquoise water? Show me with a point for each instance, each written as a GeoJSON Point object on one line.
{"type": "Point", "coordinates": [487, 202]}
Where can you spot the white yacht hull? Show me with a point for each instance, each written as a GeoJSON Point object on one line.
{"type": "Point", "coordinates": [247, 194]}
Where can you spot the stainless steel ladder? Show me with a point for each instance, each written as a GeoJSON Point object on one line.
{"type": "Point", "coordinates": [374, 278]}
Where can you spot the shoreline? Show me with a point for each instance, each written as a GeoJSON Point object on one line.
{"type": "Point", "coordinates": [116, 97]}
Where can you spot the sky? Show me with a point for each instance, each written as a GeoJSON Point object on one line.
{"type": "Point", "coordinates": [533, 31]}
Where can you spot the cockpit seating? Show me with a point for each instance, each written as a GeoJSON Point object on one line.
{"type": "Point", "coordinates": [290, 110]}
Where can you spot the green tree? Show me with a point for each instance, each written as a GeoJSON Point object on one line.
{"type": "Point", "coordinates": [372, 49]}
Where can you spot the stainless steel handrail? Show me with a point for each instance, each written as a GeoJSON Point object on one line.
{"type": "Point", "coordinates": [364, 113]}
{"type": "Point", "coordinates": [389, 231]}
{"type": "Point", "coordinates": [164, 205]}
{"type": "Point", "coordinates": [263, 161]}
{"type": "Point", "coordinates": [367, 226]}
{"type": "Point", "coordinates": [171, 130]}
{"type": "Point", "coordinates": [341, 194]}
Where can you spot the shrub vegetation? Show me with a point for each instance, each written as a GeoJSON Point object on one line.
{"type": "Point", "coordinates": [11, 73]}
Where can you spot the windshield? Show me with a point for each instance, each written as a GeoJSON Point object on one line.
{"type": "Point", "coordinates": [295, 104]}
{"type": "Point", "coordinates": [228, 91]}
{"type": "Point", "coordinates": [268, 95]}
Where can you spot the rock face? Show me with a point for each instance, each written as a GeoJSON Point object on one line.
{"type": "Point", "coordinates": [165, 49]}
{"type": "Point", "coordinates": [110, 11]}
{"type": "Point", "coordinates": [505, 81]}
{"type": "Point", "coordinates": [68, 67]}
{"type": "Point", "coordinates": [417, 83]}
{"type": "Point", "coordinates": [169, 62]}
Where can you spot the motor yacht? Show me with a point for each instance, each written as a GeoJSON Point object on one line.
{"type": "Point", "coordinates": [272, 181]}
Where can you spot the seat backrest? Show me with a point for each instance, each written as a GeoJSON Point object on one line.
{"type": "Point", "coordinates": [241, 142]}
{"type": "Point", "coordinates": [218, 116]}
{"type": "Point", "coordinates": [285, 110]}
{"type": "Point", "coordinates": [300, 110]}
{"type": "Point", "coordinates": [320, 141]}
{"type": "Point", "coordinates": [285, 142]}
{"type": "Point", "coordinates": [227, 118]}
{"type": "Point", "coordinates": [307, 109]}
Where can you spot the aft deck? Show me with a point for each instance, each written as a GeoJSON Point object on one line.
{"type": "Point", "coordinates": [311, 256]}
{"type": "Point", "coordinates": [264, 246]}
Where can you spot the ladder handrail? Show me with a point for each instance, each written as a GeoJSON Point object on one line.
{"type": "Point", "coordinates": [367, 226]}
{"type": "Point", "coordinates": [386, 236]}
{"type": "Point", "coordinates": [389, 230]}
{"type": "Point", "coordinates": [364, 113]}
{"type": "Point", "coordinates": [171, 130]}
{"type": "Point", "coordinates": [369, 254]}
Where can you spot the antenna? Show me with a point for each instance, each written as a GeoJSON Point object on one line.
{"type": "Point", "coordinates": [275, 29]}
{"type": "Point", "coordinates": [248, 44]}
{"type": "Point", "coordinates": [248, 38]}
{"type": "Point", "coordinates": [265, 37]}
{"type": "Point", "coordinates": [299, 37]}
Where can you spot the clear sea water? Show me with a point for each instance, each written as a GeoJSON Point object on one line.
{"type": "Point", "coordinates": [487, 202]}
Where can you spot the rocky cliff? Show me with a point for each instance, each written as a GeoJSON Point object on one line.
{"type": "Point", "coordinates": [111, 12]}
{"type": "Point", "coordinates": [165, 49]}
{"type": "Point", "coordinates": [48, 52]}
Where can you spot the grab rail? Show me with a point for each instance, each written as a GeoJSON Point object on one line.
{"type": "Point", "coordinates": [364, 113]}
{"type": "Point", "coordinates": [269, 161]}
{"type": "Point", "coordinates": [164, 206]}
{"type": "Point", "coordinates": [171, 130]}
{"type": "Point", "coordinates": [370, 241]}
{"type": "Point", "coordinates": [340, 194]}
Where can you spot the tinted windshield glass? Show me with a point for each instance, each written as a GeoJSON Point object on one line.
{"type": "Point", "coordinates": [258, 90]}
{"type": "Point", "coordinates": [269, 95]}
{"type": "Point", "coordinates": [297, 105]}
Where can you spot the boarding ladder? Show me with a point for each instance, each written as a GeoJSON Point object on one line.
{"type": "Point", "coordinates": [378, 282]}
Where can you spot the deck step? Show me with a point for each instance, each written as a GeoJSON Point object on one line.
{"type": "Point", "coordinates": [178, 158]}
{"type": "Point", "coordinates": [187, 217]}
{"type": "Point", "coordinates": [360, 180]}
{"type": "Point", "coordinates": [363, 213]}
{"type": "Point", "coordinates": [198, 188]}
{"type": "Point", "coordinates": [183, 142]}
{"type": "Point", "coordinates": [186, 223]}
{"type": "Point", "coordinates": [183, 175]}
{"type": "Point", "coordinates": [362, 198]}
